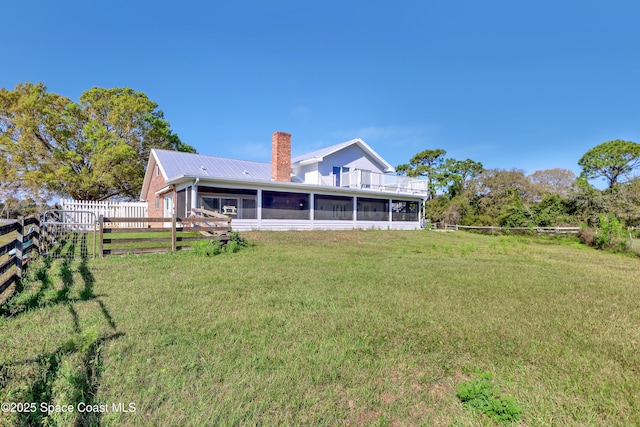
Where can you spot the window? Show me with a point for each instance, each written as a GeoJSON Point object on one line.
{"type": "Point", "coordinates": [157, 202]}
{"type": "Point", "coordinates": [281, 205]}
{"type": "Point", "coordinates": [404, 211]}
{"type": "Point", "coordinates": [333, 208]}
{"type": "Point", "coordinates": [157, 170]}
{"type": "Point", "coordinates": [373, 209]}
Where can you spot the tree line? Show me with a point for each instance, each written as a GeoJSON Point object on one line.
{"type": "Point", "coordinates": [464, 192]}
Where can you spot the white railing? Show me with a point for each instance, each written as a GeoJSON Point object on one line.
{"type": "Point", "coordinates": [376, 181]}
{"type": "Point", "coordinates": [108, 209]}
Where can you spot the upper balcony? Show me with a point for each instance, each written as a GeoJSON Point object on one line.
{"type": "Point", "coordinates": [367, 180]}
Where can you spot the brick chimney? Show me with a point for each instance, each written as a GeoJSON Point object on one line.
{"type": "Point", "coordinates": [281, 157]}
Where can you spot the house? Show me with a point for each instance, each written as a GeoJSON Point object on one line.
{"type": "Point", "coordinates": [344, 186]}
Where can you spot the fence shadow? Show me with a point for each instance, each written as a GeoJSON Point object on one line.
{"type": "Point", "coordinates": [79, 386]}
{"type": "Point", "coordinates": [72, 371]}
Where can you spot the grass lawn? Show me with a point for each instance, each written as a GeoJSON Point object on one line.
{"type": "Point", "coordinates": [330, 328]}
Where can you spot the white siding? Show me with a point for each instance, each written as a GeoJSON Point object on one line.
{"type": "Point", "coordinates": [352, 157]}
{"type": "Point", "coordinates": [285, 225]}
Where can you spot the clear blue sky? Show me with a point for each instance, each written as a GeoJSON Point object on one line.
{"type": "Point", "coordinates": [531, 85]}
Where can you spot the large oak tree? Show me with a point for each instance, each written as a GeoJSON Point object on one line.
{"type": "Point", "coordinates": [91, 150]}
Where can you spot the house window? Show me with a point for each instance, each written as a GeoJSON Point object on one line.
{"type": "Point", "coordinates": [282, 205]}
{"type": "Point", "coordinates": [157, 202]}
{"type": "Point", "coordinates": [373, 209]}
{"type": "Point", "coordinates": [157, 170]}
{"type": "Point", "coordinates": [333, 208]}
{"type": "Point", "coordinates": [404, 211]}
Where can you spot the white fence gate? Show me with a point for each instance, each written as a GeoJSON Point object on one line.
{"type": "Point", "coordinates": [108, 209]}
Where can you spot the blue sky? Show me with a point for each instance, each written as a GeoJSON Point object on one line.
{"type": "Point", "coordinates": [530, 85]}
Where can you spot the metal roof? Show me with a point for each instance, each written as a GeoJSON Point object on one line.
{"type": "Point", "coordinates": [321, 152]}
{"type": "Point", "coordinates": [175, 163]}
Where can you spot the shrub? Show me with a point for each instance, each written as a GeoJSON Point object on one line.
{"type": "Point", "coordinates": [216, 247]}
{"type": "Point", "coordinates": [611, 233]}
{"type": "Point", "coordinates": [587, 236]}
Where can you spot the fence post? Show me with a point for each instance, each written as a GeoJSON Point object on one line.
{"type": "Point", "coordinates": [19, 244]}
{"type": "Point", "coordinates": [100, 235]}
{"type": "Point", "coordinates": [174, 232]}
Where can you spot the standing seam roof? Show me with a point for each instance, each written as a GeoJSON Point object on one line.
{"type": "Point", "coordinates": [175, 163]}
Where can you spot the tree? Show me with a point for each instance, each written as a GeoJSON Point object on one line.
{"type": "Point", "coordinates": [611, 160]}
{"type": "Point", "coordinates": [91, 150]}
{"type": "Point", "coordinates": [457, 173]}
{"type": "Point", "coordinates": [553, 181]}
{"type": "Point", "coordinates": [426, 163]}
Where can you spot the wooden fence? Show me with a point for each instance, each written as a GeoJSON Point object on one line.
{"type": "Point", "coordinates": [171, 234]}
{"type": "Point", "coordinates": [14, 255]}
{"type": "Point", "coordinates": [28, 235]}
{"type": "Point", "coordinates": [548, 230]}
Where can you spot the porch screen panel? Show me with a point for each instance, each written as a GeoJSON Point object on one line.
{"type": "Point", "coordinates": [373, 209]}
{"type": "Point", "coordinates": [210, 203]}
{"type": "Point", "coordinates": [249, 210]}
{"type": "Point", "coordinates": [242, 201]}
{"type": "Point", "coordinates": [404, 211]}
{"type": "Point", "coordinates": [188, 207]}
{"type": "Point", "coordinates": [284, 205]}
{"type": "Point", "coordinates": [337, 208]}
{"type": "Point", "coordinates": [181, 203]}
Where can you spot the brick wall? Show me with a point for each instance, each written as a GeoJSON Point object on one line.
{"type": "Point", "coordinates": [157, 182]}
{"type": "Point", "coordinates": [281, 157]}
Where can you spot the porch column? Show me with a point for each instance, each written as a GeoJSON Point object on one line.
{"type": "Point", "coordinates": [390, 211]}
{"type": "Point", "coordinates": [355, 211]}
{"type": "Point", "coordinates": [312, 208]}
{"type": "Point", "coordinates": [259, 209]}
{"type": "Point", "coordinates": [194, 196]}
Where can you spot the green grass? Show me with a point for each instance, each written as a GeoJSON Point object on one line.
{"type": "Point", "coordinates": [332, 328]}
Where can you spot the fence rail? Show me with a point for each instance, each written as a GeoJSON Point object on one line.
{"type": "Point", "coordinates": [31, 235]}
{"type": "Point", "coordinates": [178, 236]}
{"type": "Point", "coordinates": [551, 230]}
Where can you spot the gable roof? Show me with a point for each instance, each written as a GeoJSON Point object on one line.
{"type": "Point", "coordinates": [319, 155]}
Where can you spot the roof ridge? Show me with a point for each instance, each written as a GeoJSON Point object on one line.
{"type": "Point", "coordinates": [209, 155]}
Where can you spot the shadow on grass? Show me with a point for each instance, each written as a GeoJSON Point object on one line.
{"type": "Point", "coordinates": [71, 373]}
{"type": "Point", "coordinates": [37, 289]}
{"type": "Point", "coordinates": [78, 386]}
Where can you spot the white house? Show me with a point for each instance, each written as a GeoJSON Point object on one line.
{"type": "Point", "coordinates": [344, 186]}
